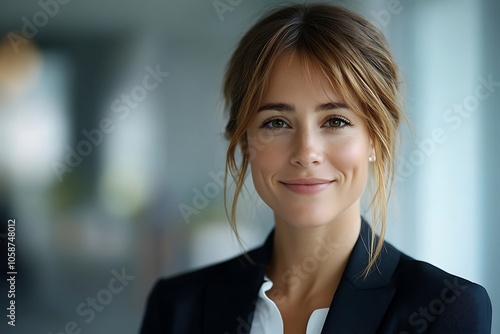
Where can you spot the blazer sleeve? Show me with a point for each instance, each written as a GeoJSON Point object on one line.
{"type": "Point", "coordinates": [469, 312]}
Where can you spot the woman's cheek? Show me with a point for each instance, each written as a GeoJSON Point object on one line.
{"type": "Point", "coordinates": [348, 154]}
{"type": "Point", "coordinates": [265, 158]}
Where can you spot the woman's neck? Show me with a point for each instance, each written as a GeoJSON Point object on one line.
{"type": "Point", "coordinates": [309, 261]}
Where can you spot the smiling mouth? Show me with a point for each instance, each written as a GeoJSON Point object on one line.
{"type": "Point", "coordinates": [307, 186]}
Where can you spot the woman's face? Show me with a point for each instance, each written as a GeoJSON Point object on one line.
{"type": "Point", "coordinates": [308, 151]}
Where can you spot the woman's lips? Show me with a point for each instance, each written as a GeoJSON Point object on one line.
{"type": "Point", "coordinates": [306, 186]}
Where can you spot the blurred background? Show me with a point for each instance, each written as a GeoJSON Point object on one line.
{"type": "Point", "coordinates": [112, 153]}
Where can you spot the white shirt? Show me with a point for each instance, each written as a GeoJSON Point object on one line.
{"type": "Point", "coordinates": [267, 317]}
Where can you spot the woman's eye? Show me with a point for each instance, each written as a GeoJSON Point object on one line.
{"type": "Point", "coordinates": [337, 122]}
{"type": "Point", "coordinates": [274, 124]}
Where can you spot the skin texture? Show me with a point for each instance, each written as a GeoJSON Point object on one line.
{"type": "Point", "coordinates": [304, 130]}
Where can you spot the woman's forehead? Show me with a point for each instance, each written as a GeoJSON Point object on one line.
{"type": "Point", "coordinates": [294, 75]}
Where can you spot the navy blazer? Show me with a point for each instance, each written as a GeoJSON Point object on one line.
{"type": "Point", "coordinates": [401, 295]}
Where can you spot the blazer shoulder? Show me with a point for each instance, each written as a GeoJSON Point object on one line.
{"type": "Point", "coordinates": [219, 271]}
{"type": "Point", "coordinates": [423, 275]}
{"type": "Point", "coordinates": [440, 302]}
{"type": "Point", "coordinates": [172, 298]}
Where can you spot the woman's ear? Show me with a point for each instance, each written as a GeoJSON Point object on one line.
{"type": "Point", "coordinates": [372, 157]}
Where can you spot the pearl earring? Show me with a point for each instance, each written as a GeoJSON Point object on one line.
{"type": "Point", "coordinates": [372, 158]}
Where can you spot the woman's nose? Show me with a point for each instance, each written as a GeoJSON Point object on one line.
{"type": "Point", "coordinates": [307, 149]}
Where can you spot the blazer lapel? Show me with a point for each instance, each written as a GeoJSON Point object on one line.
{"type": "Point", "coordinates": [360, 303]}
{"type": "Point", "coordinates": [230, 301]}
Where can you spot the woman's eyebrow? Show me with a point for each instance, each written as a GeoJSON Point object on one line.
{"type": "Point", "coordinates": [332, 106]}
{"type": "Point", "coordinates": [277, 107]}
{"type": "Point", "coordinates": [289, 107]}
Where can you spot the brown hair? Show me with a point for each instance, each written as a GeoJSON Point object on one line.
{"type": "Point", "coordinates": [354, 57]}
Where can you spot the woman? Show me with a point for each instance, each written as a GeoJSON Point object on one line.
{"type": "Point", "coordinates": [312, 92]}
